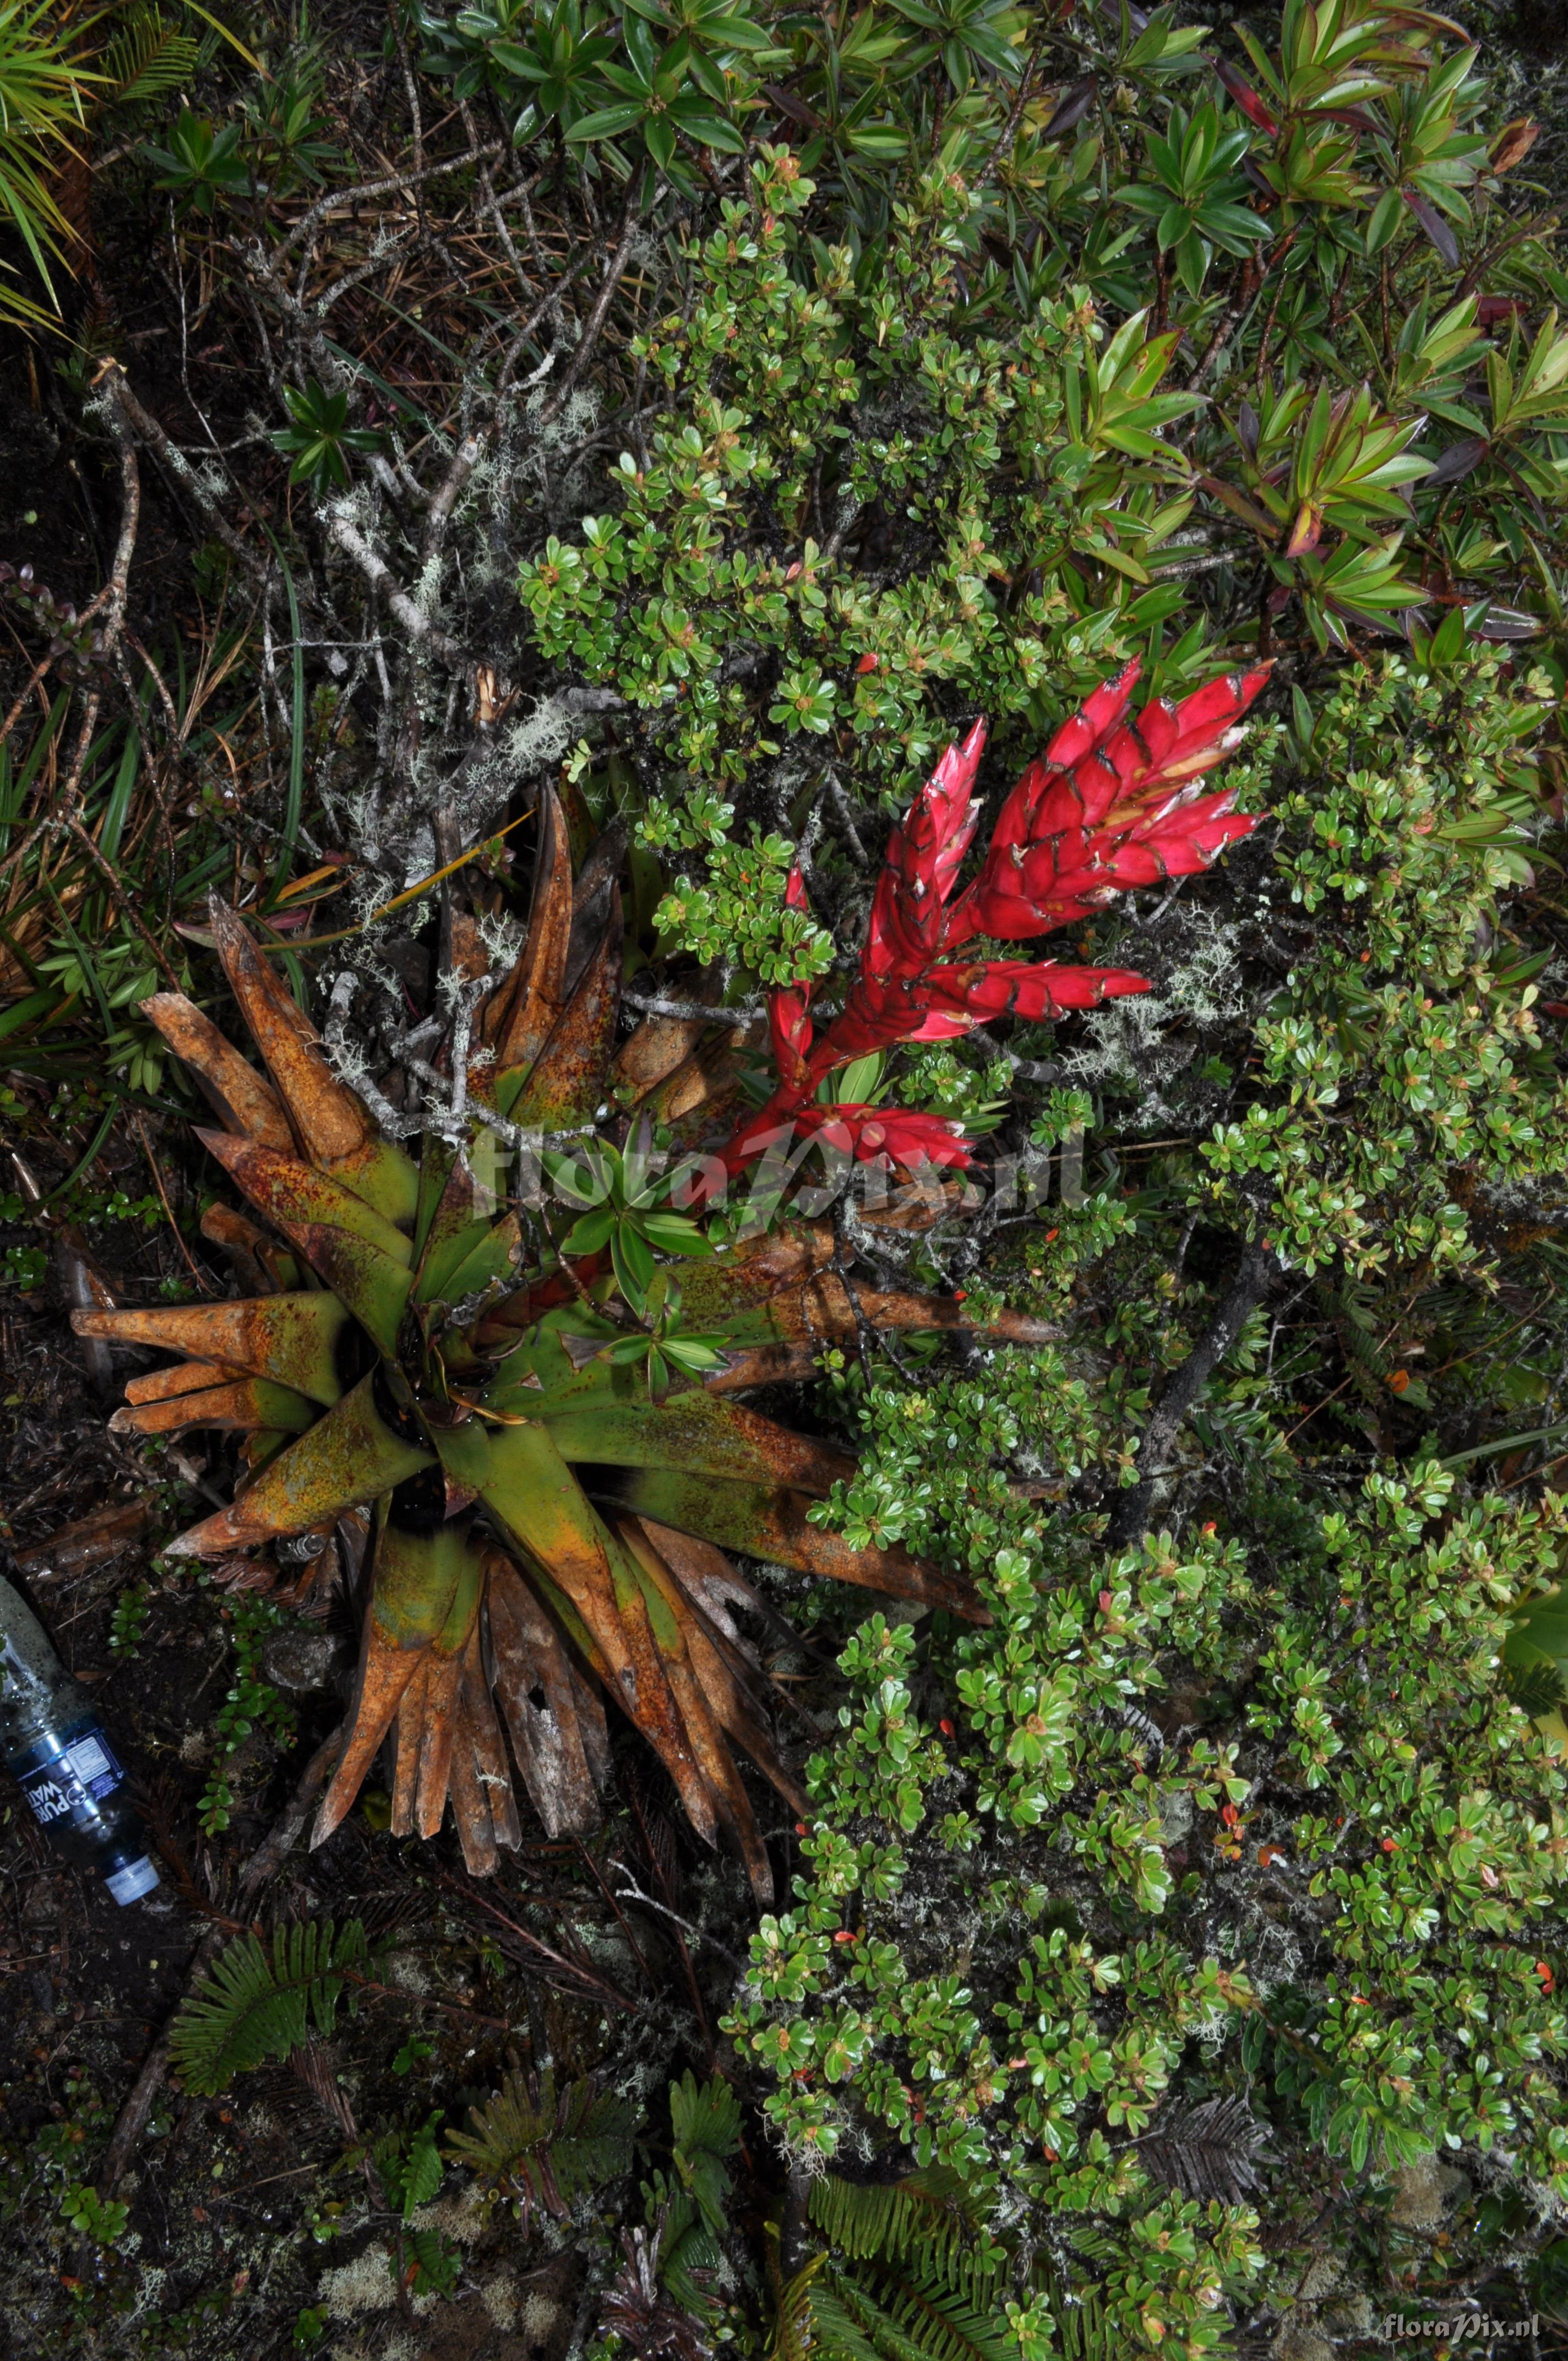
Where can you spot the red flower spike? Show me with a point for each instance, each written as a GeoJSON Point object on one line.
{"type": "Point", "coordinates": [1113, 803]}
{"type": "Point", "coordinates": [789, 1021]}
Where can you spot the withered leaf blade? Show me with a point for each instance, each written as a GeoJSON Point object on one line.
{"type": "Point", "coordinates": [296, 1340]}
{"type": "Point", "coordinates": [825, 1306]}
{"type": "Point", "coordinates": [245, 1405]}
{"type": "Point", "coordinates": [86, 1541]}
{"type": "Point", "coordinates": [676, 1628]}
{"type": "Point", "coordinates": [659, 1045]}
{"type": "Point", "coordinates": [706, 1575]}
{"type": "Point", "coordinates": [332, 1125]}
{"type": "Point", "coordinates": [184, 1377]}
{"type": "Point", "coordinates": [291, 1194]}
{"type": "Point", "coordinates": [242, 1101]}
{"type": "Point", "coordinates": [424, 1601]}
{"type": "Point", "coordinates": [327, 1117]}
{"type": "Point", "coordinates": [260, 1264]}
{"type": "Point", "coordinates": [349, 1456]}
{"type": "Point", "coordinates": [480, 1782]}
{"type": "Point", "coordinates": [521, 1014]}
{"type": "Point", "coordinates": [556, 1721]}
{"type": "Point", "coordinates": [568, 1079]}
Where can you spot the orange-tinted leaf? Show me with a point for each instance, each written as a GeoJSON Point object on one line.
{"type": "Point", "coordinates": [350, 1455]}
{"type": "Point", "coordinates": [521, 1014]}
{"type": "Point", "coordinates": [296, 1340]}
{"type": "Point", "coordinates": [243, 1102]}
{"type": "Point", "coordinates": [571, 1075]}
{"type": "Point", "coordinates": [331, 1124]}
{"type": "Point", "coordinates": [245, 1404]}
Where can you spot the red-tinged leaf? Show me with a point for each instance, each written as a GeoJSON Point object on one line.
{"type": "Point", "coordinates": [1126, 753]}
{"type": "Point", "coordinates": [1357, 117]}
{"type": "Point", "coordinates": [1229, 496]}
{"type": "Point", "coordinates": [903, 1136]}
{"type": "Point", "coordinates": [1187, 763]}
{"type": "Point", "coordinates": [1307, 530]}
{"type": "Point", "coordinates": [1159, 728]}
{"type": "Point", "coordinates": [1113, 804]}
{"type": "Point", "coordinates": [1028, 812]}
{"type": "Point", "coordinates": [1460, 459]}
{"type": "Point", "coordinates": [1099, 789]}
{"type": "Point", "coordinates": [1072, 107]}
{"type": "Point", "coordinates": [1437, 230]}
{"type": "Point", "coordinates": [1038, 990]}
{"type": "Point", "coordinates": [1245, 97]}
{"type": "Point", "coordinates": [1136, 864]}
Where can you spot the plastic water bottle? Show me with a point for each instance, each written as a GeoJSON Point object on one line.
{"type": "Point", "coordinates": [54, 1745]}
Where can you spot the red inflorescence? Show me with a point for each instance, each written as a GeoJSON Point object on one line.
{"type": "Point", "coordinates": [1114, 802]}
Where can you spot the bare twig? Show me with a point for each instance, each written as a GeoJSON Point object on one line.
{"type": "Point", "coordinates": [376, 570]}
{"type": "Point", "coordinates": [1259, 1272]}
{"type": "Point", "coordinates": [593, 327]}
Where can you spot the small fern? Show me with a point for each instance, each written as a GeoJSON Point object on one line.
{"type": "Point", "coordinates": [689, 2209]}
{"type": "Point", "coordinates": [540, 2150]}
{"type": "Point", "coordinates": [944, 2307]}
{"type": "Point", "coordinates": [1208, 2151]}
{"type": "Point", "coordinates": [1535, 1687]}
{"type": "Point", "coordinates": [911, 2273]}
{"type": "Point", "coordinates": [911, 2276]}
{"type": "Point", "coordinates": [1085, 2332]}
{"type": "Point", "coordinates": [255, 2004]}
{"type": "Point", "coordinates": [893, 2218]}
{"type": "Point", "coordinates": [147, 58]}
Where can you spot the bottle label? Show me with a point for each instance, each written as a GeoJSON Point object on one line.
{"type": "Point", "coordinates": [65, 1773]}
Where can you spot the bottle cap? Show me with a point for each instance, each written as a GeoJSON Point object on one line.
{"type": "Point", "coordinates": [132, 1880]}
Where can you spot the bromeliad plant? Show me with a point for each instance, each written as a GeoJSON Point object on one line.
{"type": "Point", "coordinates": [549, 1489]}
{"type": "Point", "coordinates": [551, 1457]}
{"type": "Point", "coordinates": [1114, 802]}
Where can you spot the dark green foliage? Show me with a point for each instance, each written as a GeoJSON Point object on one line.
{"type": "Point", "coordinates": [201, 165]}
{"type": "Point", "coordinates": [537, 2148]}
{"type": "Point", "coordinates": [258, 2002]}
{"type": "Point", "coordinates": [908, 2275]}
{"type": "Point", "coordinates": [319, 440]}
{"type": "Point", "coordinates": [689, 2208]}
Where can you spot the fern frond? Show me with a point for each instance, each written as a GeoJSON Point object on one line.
{"type": "Point", "coordinates": [1086, 2334]}
{"type": "Point", "coordinates": [704, 2116]}
{"type": "Point", "coordinates": [892, 2219]}
{"type": "Point", "coordinates": [543, 2148]}
{"type": "Point", "coordinates": [706, 2125]}
{"type": "Point", "coordinates": [1537, 1687]}
{"type": "Point", "coordinates": [795, 2333]}
{"type": "Point", "coordinates": [949, 2308]}
{"type": "Point", "coordinates": [255, 2004]}
{"type": "Point", "coordinates": [147, 58]}
{"type": "Point", "coordinates": [832, 2333]}
{"type": "Point", "coordinates": [1209, 2150]}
